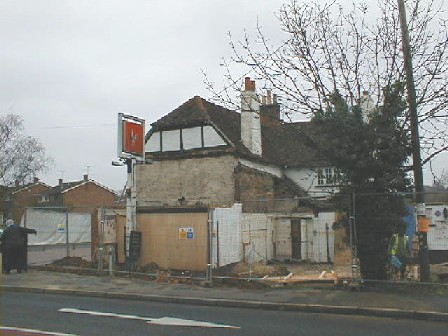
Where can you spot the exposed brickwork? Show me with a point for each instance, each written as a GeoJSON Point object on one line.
{"type": "Point", "coordinates": [208, 181]}
{"type": "Point", "coordinates": [252, 186]}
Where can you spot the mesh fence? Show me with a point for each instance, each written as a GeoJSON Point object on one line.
{"type": "Point", "coordinates": [354, 236]}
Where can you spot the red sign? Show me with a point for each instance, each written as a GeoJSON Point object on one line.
{"type": "Point", "coordinates": [133, 138]}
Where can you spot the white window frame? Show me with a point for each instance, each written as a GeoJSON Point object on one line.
{"type": "Point", "coordinates": [43, 198]}
{"type": "Point", "coordinates": [327, 176]}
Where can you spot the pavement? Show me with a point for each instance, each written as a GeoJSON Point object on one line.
{"type": "Point", "coordinates": [303, 298]}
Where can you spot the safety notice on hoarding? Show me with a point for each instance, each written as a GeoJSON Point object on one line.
{"type": "Point", "coordinates": [186, 233]}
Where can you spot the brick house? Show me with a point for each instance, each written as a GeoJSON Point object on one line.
{"type": "Point", "coordinates": [85, 195]}
{"type": "Point", "coordinates": [205, 154]}
{"type": "Point", "coordinates": [16, 199]}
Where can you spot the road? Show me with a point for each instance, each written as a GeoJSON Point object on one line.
{"type": "Point", "coordinates": [75, 315]}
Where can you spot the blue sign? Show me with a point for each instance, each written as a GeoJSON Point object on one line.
{"type": "Point", "coordinates": [190, 233]}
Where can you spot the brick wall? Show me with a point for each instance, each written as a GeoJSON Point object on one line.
{"type": "Point", "coordinates": [255, 189]}
{"type": "Point", "coordinates": [88, 197]}
{"type": "Point", "coordinates": [208, 180]}
{"type": "Point", "coordinates": [25, 198]}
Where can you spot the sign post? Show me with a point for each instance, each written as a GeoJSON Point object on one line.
{"type": "Point", "coordinates": [131, 148]}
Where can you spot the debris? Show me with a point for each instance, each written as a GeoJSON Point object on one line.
{"type": "Point", "coordinates": [289, 276]}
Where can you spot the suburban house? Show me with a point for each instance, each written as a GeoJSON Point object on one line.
{"type": "Point", "coordinates": [85, 195]}
{"type": "Point", "coordinates": [68, 212]}
{"type": "Point", "coordinates": [224, 186]}
{"type": "Point", "coordinates": [17, 198]}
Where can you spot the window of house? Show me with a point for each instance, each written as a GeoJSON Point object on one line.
{"type": "Point", "coordinates": [327, 176]}
{"type": "Point", "coordinates": [184, 139]}
{"type": "Point", "coordinates": [191, 138]}
{"type": "Point", "coordinates": [153, 143]}
{"type": "Point", "coordinates": [43, 198]}
{"type": "Point", "coordinates": [212, 138]}
{"type": "Point", "coordinates": [320, 177]}
{"type": "Point", "coordinates": [171, 140]}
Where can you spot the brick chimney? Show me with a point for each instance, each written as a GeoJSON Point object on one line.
{"type": "Point", "coordinates": [270, 109]}
{"type": "Point", "coordinates": [250, 118]}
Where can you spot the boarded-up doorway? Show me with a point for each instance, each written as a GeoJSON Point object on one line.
{"type": "Point", "coordinates": [296, 238]}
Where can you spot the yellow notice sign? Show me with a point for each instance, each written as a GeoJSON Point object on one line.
{"type": "Point", "coordinates": [182, 233]}
{"type": "Point", "coordinates": [186, 233]}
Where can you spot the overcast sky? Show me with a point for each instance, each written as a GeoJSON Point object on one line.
{"type": "Point", "coordinates": [69, 67]}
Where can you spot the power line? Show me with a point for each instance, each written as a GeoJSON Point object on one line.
{"type": "Point", "coordinates": [74, 126]}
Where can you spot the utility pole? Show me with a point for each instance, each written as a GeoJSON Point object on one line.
{"type": "Point", "coordinates": [415, 140]}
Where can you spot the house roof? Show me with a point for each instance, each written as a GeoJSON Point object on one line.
{"type": "Point", "coordinates": [286, 144]}
{"type": "Point", "coordinates": [68, 186]}
{"type": "Point", "coordinates": [15, 190]}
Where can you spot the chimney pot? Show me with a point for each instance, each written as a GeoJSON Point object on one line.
{"type": "Point", "coordinates": [60, 182]}
{"type": "Point", "coordinates": [247, 83]}
{"type": "Point", "coordinates": [86, 177]}
{"type": "Point", "coordinates": [269, 97]}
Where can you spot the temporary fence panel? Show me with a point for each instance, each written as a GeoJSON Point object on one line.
{"type": "Point", "coordinates": [282, 238]}
{"type": "Point", "coordinates": [323, 238]}
{"type": "Point", "coordinates": [257, 231]}
{"type": "Point", "coordinates": [317, 241]}
{"type": "Point", "coordinates": [438, 228]}
{"type": "Point", "coordinates": [306, 225]}
{"type": "Point", "coordinates": [226, 244]}
{"type": "Point", "coordinates": [52, 227]}
{"type": "Point", "coordinates": [107, 226]}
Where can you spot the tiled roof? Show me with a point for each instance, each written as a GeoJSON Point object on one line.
{"type": "Point", "coordinates": [286, 144]}
{"type": "Point", "coordinates": [66, 186]}
{"type": "Point", "coordinates": [62, 187]}
{"type": "Point", "coordinates": [17, 189]}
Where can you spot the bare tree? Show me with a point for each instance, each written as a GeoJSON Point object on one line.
{"type": "Point", "coordinates": [354, 51]}
{"type": "Point", "coordinates": [21, 156]}
{"type": "Point", "coordinates": [441, 181]}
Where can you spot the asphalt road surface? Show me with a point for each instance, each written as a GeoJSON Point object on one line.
{"type": "Point", "coordinates": [44, 314]}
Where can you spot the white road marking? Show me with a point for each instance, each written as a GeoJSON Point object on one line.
{"type": "Point", "coordinates": [96, 313]}
{"type": "Point", "coordinates": [34, 331]}
{"type": "Point", "coordinates": [168, 321]}
{"type": "Point", "coordinates": [172, 321]}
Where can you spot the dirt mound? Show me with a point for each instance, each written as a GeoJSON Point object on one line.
{"type": "Point", "coordinates": [72, 262]}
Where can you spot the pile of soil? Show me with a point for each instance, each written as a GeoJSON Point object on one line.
{"type": "Point", "coordinates": [72, 262]}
